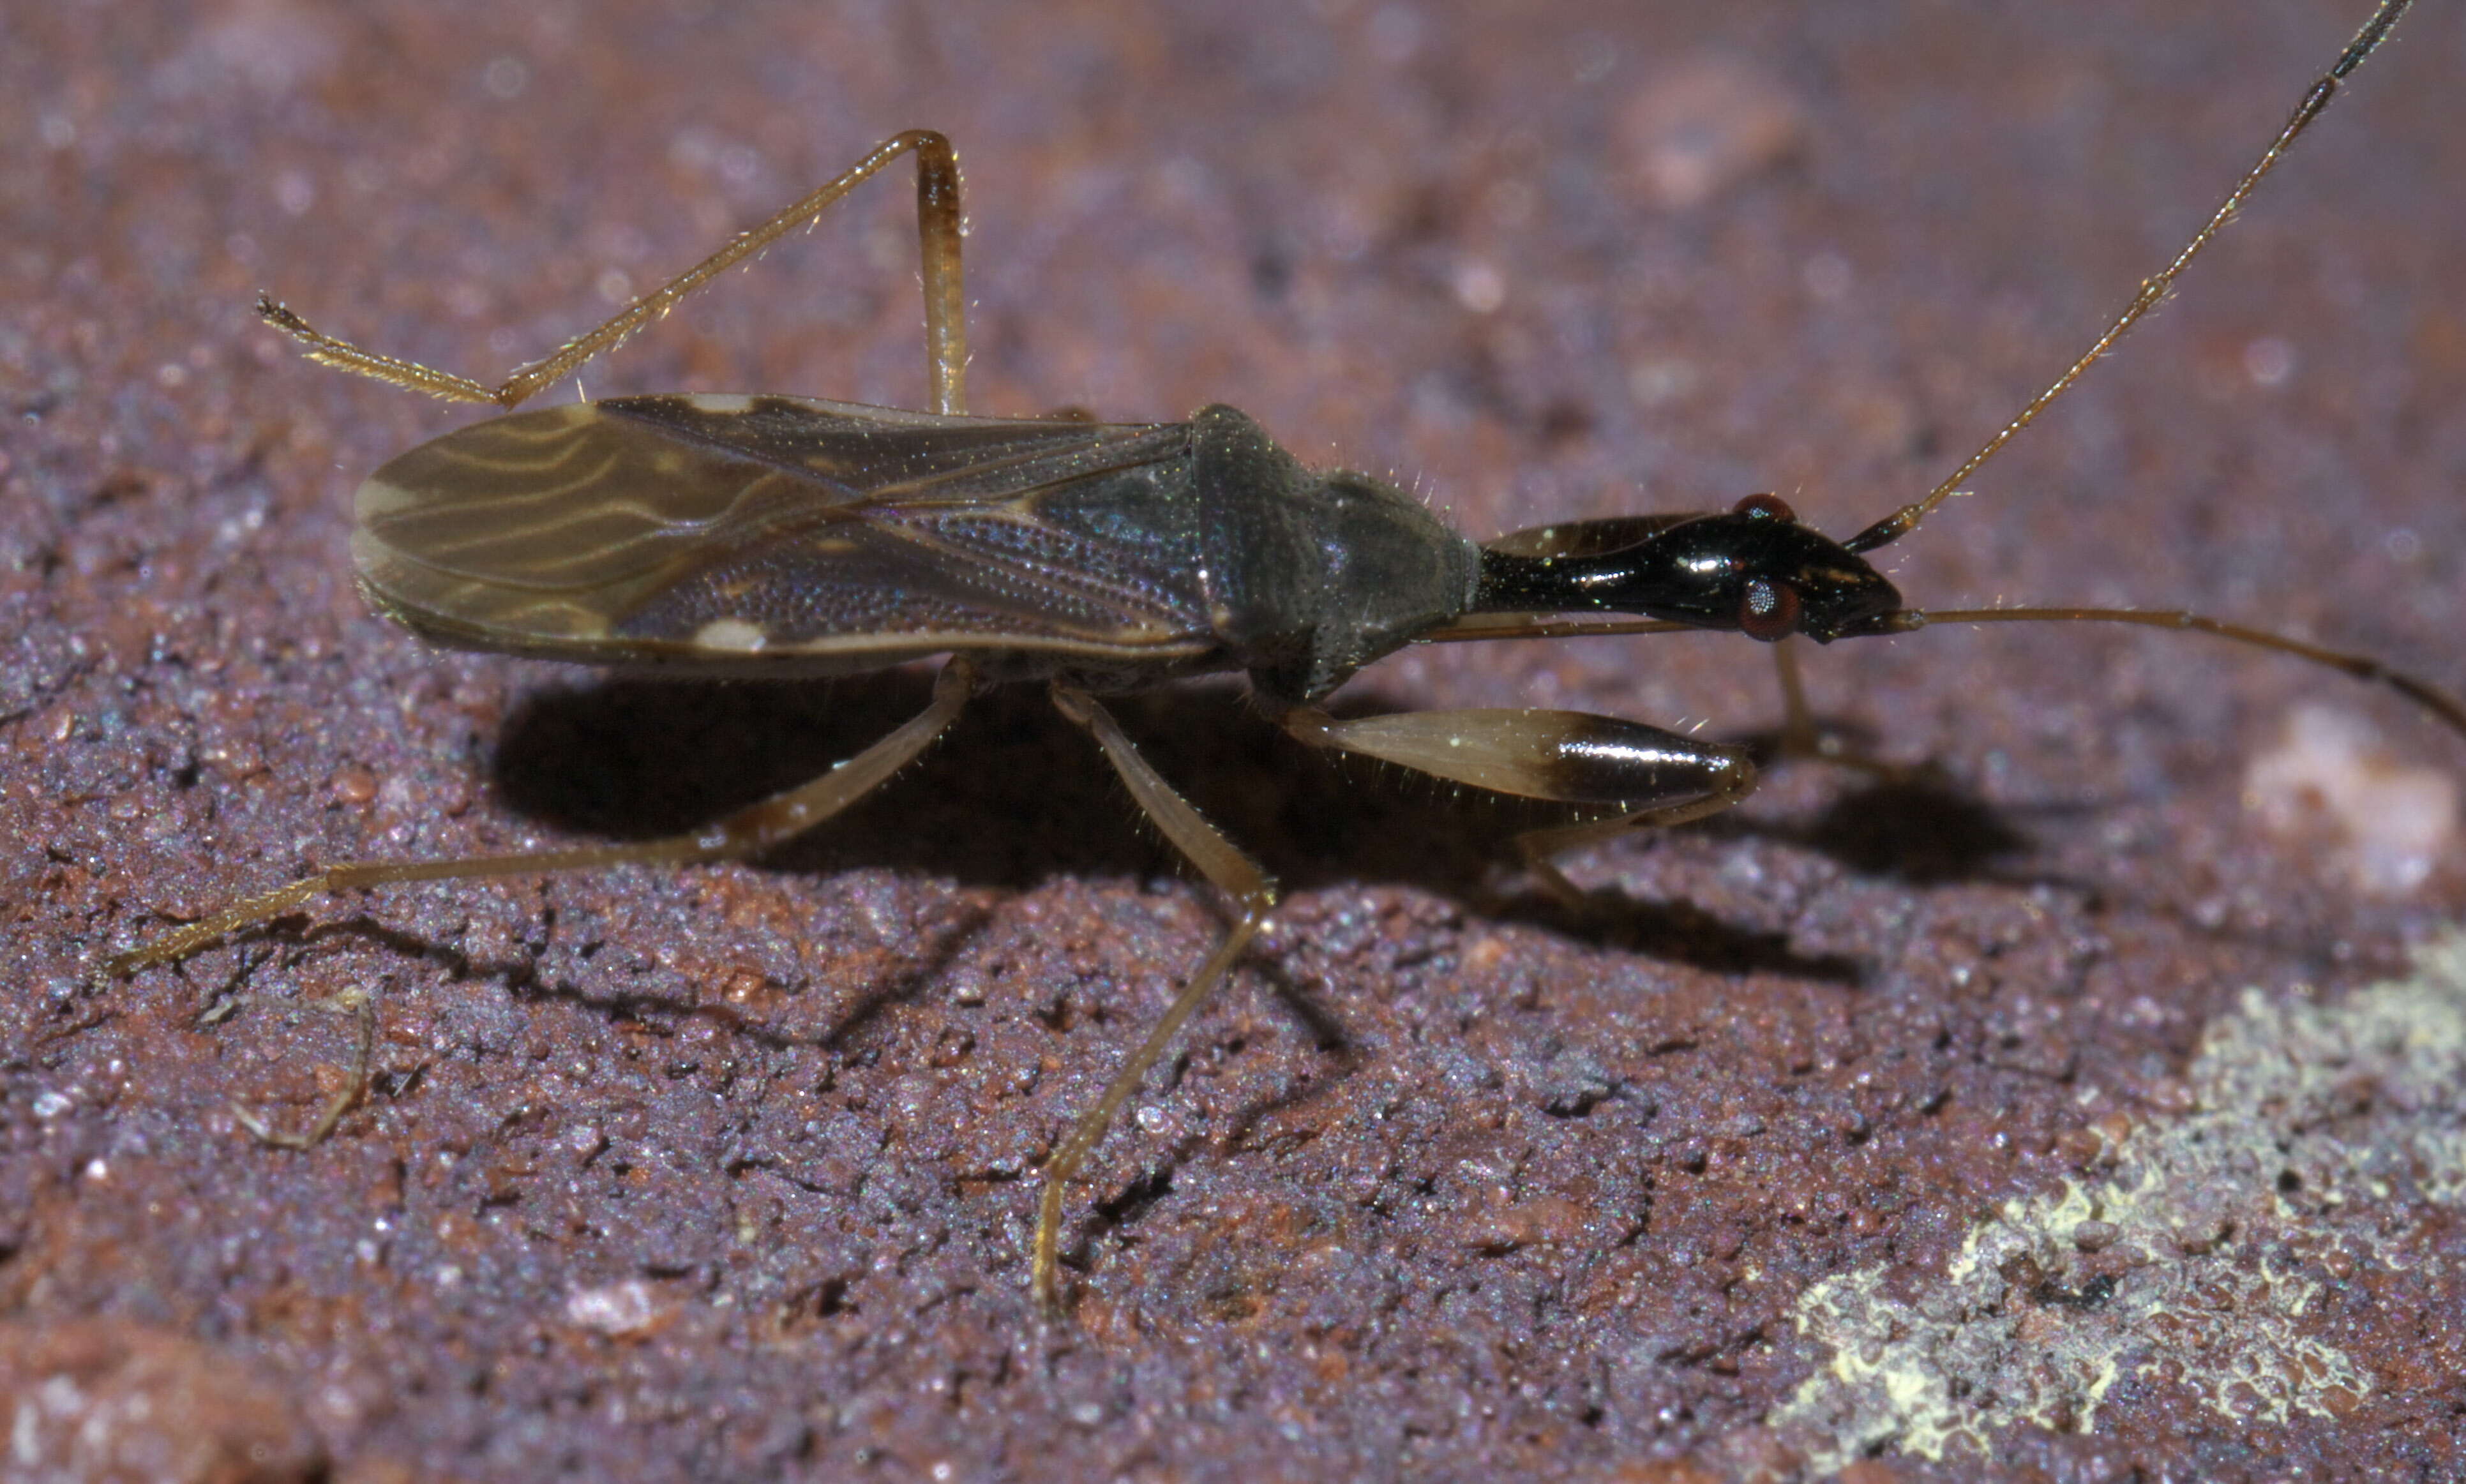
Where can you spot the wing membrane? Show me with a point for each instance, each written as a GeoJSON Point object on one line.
{"type": "Point", "coordinates": [775, 528]}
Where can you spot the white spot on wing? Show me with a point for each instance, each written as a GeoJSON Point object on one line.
{"type": "Point", "coordinates": [381, 497]}
{"type": "Point", "coordinates": [719, 402]}
{"type": "Point", "coordinates": [734, 636]}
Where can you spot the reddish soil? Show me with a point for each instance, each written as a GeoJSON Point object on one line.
{"type": "Point", "coordinates": [729, 1173]}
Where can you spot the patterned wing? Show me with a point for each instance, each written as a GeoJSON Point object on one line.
{"type": "Point", "coordinates": [777, 534]}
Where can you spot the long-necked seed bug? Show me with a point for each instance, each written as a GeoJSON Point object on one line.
{"type": "Point", "coordinates": [783, 537]}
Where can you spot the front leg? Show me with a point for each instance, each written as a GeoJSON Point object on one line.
{"type": "Point", "coordinates": [1652, 776]}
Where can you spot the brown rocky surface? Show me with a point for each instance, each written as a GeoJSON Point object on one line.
{"type": "Point", "coordinates": [2068, 1111]}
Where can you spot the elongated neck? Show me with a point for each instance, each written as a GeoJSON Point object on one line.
{"type": "Point", "coordinates": [1602, 582]}
{"type": "Point", "coordinates": [1754, 571]}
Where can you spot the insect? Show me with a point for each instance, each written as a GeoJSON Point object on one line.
{"type": "Point", "coordinates": [777, 537]}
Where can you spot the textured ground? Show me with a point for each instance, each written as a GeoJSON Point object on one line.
{"type": "Point", "coordinates": [2069, 1110]}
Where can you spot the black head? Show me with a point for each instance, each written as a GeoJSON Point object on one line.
{"type": "Point", "coordinates": [1755, 570]}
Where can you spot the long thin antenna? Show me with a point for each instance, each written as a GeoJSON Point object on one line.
{"type": "Point", "coordinates": [2441, 703]}
{"type": "Point", "coordinates": [1901, 522]}
{"type": "Point", "coordinates": [2451, 710]}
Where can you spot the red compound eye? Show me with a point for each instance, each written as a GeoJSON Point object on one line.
{"type": "Point", "coordinates": [1771, 507]}
{"type": "Point", "coordinates": [1768, 610]}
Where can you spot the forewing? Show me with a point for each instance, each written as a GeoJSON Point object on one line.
{"type": "Point", "coordinates": [777, 531]}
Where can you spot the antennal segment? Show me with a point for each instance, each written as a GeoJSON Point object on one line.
{"type": "Point", "coordinates": [1901, 522]}
{"type": "Point", "coordinates": [2441, 703]}
{"type": "Point", "coordinates": [2451, 710]}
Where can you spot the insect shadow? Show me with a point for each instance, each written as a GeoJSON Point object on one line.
{"type": "Point", "coordinates": [639, 759]}
{"type": "Point", "coordinates": [1917, 823]}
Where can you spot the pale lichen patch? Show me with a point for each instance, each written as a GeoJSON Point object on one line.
{"type": "Point", "coordinates": [2307, 1119]}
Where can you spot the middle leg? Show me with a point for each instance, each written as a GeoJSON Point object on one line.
{"type": "Point", "coordinates": [1236, 874]}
